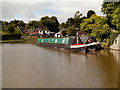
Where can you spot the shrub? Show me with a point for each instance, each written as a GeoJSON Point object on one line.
{"type": "Point", "coordinates": [11, 28]}
{"type": "Point", "coordinates": [11, 36]}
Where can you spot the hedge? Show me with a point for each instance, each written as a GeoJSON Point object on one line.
{"type": "Point", "coordinates": [11, 36]}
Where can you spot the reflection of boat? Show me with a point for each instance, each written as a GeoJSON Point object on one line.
{"type": "Point", "coordinates": [73, 43]}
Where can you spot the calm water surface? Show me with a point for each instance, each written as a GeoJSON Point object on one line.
{"type": "Point", "coordinates": [29, 66]}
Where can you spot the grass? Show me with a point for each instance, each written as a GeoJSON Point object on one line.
{"type": "Point", "coordinates": [3, 32]}
{"type": "Point", "coordinates": [12, 40]}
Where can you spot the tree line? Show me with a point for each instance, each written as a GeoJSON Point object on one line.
{"type": "Point", "coordinates": [103, 28]}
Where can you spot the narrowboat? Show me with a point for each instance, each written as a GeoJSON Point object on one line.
{"type": "Point", "coordinates": [72, 43]}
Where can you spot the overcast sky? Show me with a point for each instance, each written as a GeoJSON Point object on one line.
{"type": "Point", "coordinates": [35, 9]}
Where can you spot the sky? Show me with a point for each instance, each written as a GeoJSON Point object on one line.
{"type": "Point", "coordinates": [27, 10]}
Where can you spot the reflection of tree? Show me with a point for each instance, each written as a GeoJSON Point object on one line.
{"type": "Point", "coordinates": [109, 69]}
{"type": "Point", "coordinates": [102, 68]}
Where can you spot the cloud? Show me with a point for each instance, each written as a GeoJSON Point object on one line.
{"type": "Point", "coordinates": [24, 10]}
{"type": "Point", "coordinates": [68, 9]}
{"type": "Point", "coordinates": [51, 0]}
{"type": "Point", "coordinates": [35, 9]}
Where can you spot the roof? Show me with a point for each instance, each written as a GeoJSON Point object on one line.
{"type": "Point", "coordinates": [84, 39]}
{"type": "Point", "coordinates": [38, 29]}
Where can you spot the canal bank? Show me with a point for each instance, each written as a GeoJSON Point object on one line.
{"type": "Point", "coordinates": [29, 66]}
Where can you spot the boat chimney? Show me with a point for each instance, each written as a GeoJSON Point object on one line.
{"type": "Point", "coordinates": [77, 39]}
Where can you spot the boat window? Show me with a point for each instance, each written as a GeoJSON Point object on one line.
{"type": "Point", "coordinates": [52, 40]}
{"type": "Point", "coordinates": [55, 40]}
{"type": "Point", "coordinates": [63, 41]}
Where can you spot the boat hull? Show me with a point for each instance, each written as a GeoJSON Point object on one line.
{"type": "Point", "coordinates": [68, 45]}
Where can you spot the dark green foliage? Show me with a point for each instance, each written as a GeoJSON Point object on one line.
{"type": "Point", "coordinates": [63, 26]}
{"type": "Point", "coordinates": [70, 22]}
{"type": "Point", "coordinates": [72, 31]}
{"type": "Point", "coordinates": [96, 26]}
{"type": "Point", "coordinates": [90, 13]}
{"type": "Point", "coordinates": [34, 24]}
{"type": "Point", "coordinates": [64, 32]}
{"type": "Point", "coordinates": [112, 11]}
{"type": "Point", "coordinates": [18, 23]}
{"type": "Point", "coordinates": [11, 36]}
{"type": "Point", "coordinates": [77, 15]}
{"type": "Point", "coordinates": [51, 24]}
{"type": "Point", "coordinates": [11, 28]}
{"type": "Point", "coordinates": [73, 21]}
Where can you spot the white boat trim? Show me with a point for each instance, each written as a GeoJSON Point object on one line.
{"type": "Point", "coordinates": [84, 45]}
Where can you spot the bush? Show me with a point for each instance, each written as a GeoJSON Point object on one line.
{"type": "Point", "coordinates": [72, 31]}
{"type": "Point", "coordinates": [11, 28]}
{"type": "Point", "coordinates": [64, 32]}
{"type": "Point", "coordinates": [11, 36]}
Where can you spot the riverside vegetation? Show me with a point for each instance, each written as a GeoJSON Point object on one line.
{"type": "Point", "coordinates": [104, 28]}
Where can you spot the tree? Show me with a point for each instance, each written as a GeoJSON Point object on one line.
{"type": "Point", "coordinates": [72, 31]}
{"type": "Point", "coordinates": [63, 25]}
{"type": "Point", "coordinates": [64, 32]}
{"type": "Point", "coordinates": [90, 13]}
{"type": "Point", "coordinates": [116, 19]}
{"type": "Point", "coordinates": [34, 24]}
{"type": "Point", "coordinates": [77, 15]}
{"type": "Point", "coordinates": [70, 22]}
{"type": "Point", "coordinates": [75, 22]}
{"type": "Point", "coordinates": [11, 28]}
{"type": "Point", "coordinates": [96, 26]}
{"type": "Point", "coordinates": [18, 23]}
{"type": "Point", "coordinates": [51, 24]}
{"type": "Point", "coordinates": [109, 8]}
{"type": "Point", "coordinates": [85, 25]}
{"type": "Point", "coordinates": [77, 19]}
{"type": "Point", "coordinates": [101, 32]}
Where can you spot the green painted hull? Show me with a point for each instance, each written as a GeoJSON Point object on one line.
{"type": "Point", "coordinates": [54, 40]}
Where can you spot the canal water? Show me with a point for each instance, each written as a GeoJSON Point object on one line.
{"type": "Point", "coordinates": [30, 66]}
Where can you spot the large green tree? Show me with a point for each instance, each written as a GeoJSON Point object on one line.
{"type": "Point", "coordinates": [115, 19]}
{"type": "Point", "coordinates": [51, 24]}
{"type": "Point", "coordinates": [72, 31]}
{"type": "Point", "coordinates": [111, 9]}
{"type": "Point", "coordinates": [90, 13]}
{"type": "Point", "coordinates": [96, 26]}
{"type": "Point", "coordinates": [11, 28]}
{"type": "Point", "coordinates": [34, 24]}
{"type": "Point", "coordinates": [73, 21]}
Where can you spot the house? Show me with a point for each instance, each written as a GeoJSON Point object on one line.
{"type": "Point", "coordinates": [31, 32]}
{"type": "Point", "coordinates": [41, 32]}
{"type": "Point", "coordinates": [37, 32]}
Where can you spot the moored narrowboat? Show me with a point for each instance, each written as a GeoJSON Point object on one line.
{"type": "Point", "coordinates": [72, 43]}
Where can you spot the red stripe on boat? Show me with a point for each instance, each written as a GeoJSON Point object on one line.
{"type": "Point", "coordinates": [76, 44]}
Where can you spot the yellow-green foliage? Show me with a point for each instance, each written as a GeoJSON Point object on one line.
{"type": "Point", "coordinates": [116, 18]}
{"type": "Point", "coordinates": [18, 32]}
{"type": "Point", "coordinates": [96, 26]}
{"type": "Point", "coordinates": [71, 31]}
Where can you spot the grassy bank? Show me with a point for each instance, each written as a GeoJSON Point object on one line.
{"type": "Point", "coordinates": [13, 41]}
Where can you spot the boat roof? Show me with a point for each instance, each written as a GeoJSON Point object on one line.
{"type": "Point", "coordinates": [84, 39]}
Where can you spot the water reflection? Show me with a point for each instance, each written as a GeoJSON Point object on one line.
{"type": "Point", "coordinates": [29, 66]}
